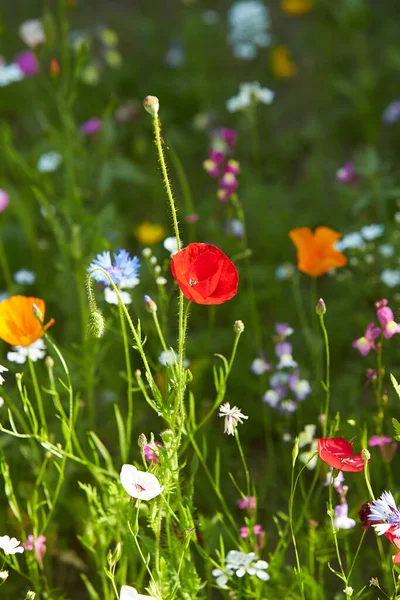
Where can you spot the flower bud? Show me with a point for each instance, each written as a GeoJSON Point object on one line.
{"type": "Point", "coordinates": [49, 362]}
{"type": "Point", "coordinates": [320, 309]}
{"type": "Point", "coordinates": [151, 306]}
{"type": "Point", "coordinates": [238, 327]}
{"type": "Point", "coordinates": [96, 324]}
{"type": "Point", "coordinates": [153, 260]}
{"type": "Point", "coordinates": [295, 451]}
{"type": "Point", "coordinates": [37, 313]}
{"type": "Point", "coordinates": [54, 68]}
{"type": "Point", "coordinates": [366, 455]}
{"type": "Point", "coordinates": [146, 252]}
{"type": "Point", "coordinates": [138, 373]}
{"type": "Point", "coordinates": [30, 595]}
{"type": "Point", "coordinates": [142, 441]}
{"type": "Point", "coordinates": [151, 104]}
{"type": "Point", "coordinates": [4, 575]}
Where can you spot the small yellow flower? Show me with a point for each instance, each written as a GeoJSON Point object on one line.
{"type": "Point", "coordinates": [149, 234]}
{"type": "Point", "coordinates": [295, 8]}
{"type": "Point", "coordinates": [283, 66]}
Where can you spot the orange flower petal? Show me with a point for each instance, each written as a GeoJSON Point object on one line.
{"type": "Point", "coordinates": [316, 254]}
{"type": "Point", "coordinates": [18, 325]}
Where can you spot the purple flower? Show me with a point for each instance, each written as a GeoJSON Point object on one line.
{"type": "Point", "coordinates": [387, 447]}
{"type": "Point", "coordinates": [229, 136]}
{"type": "Point", "coordinates": [340, 519]}
{"type": "Point", "coordinates": [149, 453]}
{"type": "Point", "coordinates": [211, 167]}
{"type": "Point", "coordinates": [300, 387]}
{"type": "Point", "coordinates": [283, 330]}
{"type": "Point", "coordinates": [347, 174]}
{"type": "Point", "coordinates": [283, 348]}
{"type": "Point", "coordinates": [27, 62]}
{"type": "Point", "coordinates": [235, 226]}
{"type": "Point", "coordinates": [260, 366]}
{"type": "Point", "coordinates": [379, 440]}
{"type": "Point", "coordinates": [91, 127]}
{"type": "Point", "coordinates": [386, 319]}
{"type": "Point", "coordinates": [366, 343]}
{"type": "Point", "coordinates": [391, 114]}
{"type": "Point", "coordinates": [232, 166]}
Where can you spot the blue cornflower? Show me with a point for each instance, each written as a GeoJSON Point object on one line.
{"type": "Point", "coordinates": [386, 514]}
{"type": "Point", "coordinates": [371, 232]}
{"type": "Point", "coordinates": [124, 268]}
{"type": "Point", "coordinates": [390, 277]}
{"type": "Point", "coordinates": [391, 114]}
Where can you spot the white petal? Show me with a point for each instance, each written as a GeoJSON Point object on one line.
{"type": "Point", "coordinates": [128, 593]}
{"type": "Point", "coordinates": [262, 575]}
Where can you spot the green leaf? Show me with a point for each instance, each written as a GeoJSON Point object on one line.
{"type": "Point", "coordinates": [396, 426]}
{"type": "Point", "coordinates": [395, 384]}
{"type": "Point", "coordinates": [93, 595]}
{"type": "Point", "coordinates": [121, 432]}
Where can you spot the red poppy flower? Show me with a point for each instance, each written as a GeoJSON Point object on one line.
{"type": "Point", "coordinates": [395, 540]}
{"type": "Point", "coordinates": [205, 274]}
{"type": "Point", "coordinates": [337, 453]}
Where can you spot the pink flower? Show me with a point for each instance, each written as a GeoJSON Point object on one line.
{"type": "Point", "coordinates": [229, 136]}
{"type": "Point", "coordinates": [244, 532]}
{"type": "Point", "coordinates": [149, 453]}
{"type": "Point", "coordinates": [246, 502]}
{"type": "Point", "coordinates": [38, 545]}
{"type": "Point", "coordinates": [4, 200]}
{"type": "Point", "coordinates": [386, 319]}
{"type": "Point", "coordinates": [366, 343]}
{"type": "Point", "coordinates": [211, 167]}
{"type": "Point", "coordinates": [387, 447]}
{"type": "Point", "coordinates": [229, 183]}
{"type": "Point", "coordinates": [192, 218]}
{"type": "Point", "coordinates": [216, 156]}
{"type": "Point", "coordinates": [27, 62]}
{"type": "Point", "coordinates": [232, 166]}
{"type": "Point", "coordinates": [91, 127]}
{"type": "Point", "coordinates": [347, 174]}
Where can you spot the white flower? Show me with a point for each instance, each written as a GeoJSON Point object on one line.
{"type": "Point", "coordinates": [110, 296]}
{"type": "Point", "coordinates": [10, 74]}
{"type": "Point", "coordinates": [24, 277]}
{"type": "Point", "coordinates": [341, 520]}
{"type": "Point", "coordinates": [222, 576]}
{"type": "Point", "coordinates": [249, 22]}
{"type": "Point", "coordinates": [390, 277]}
{"type": "Point", "coordinates": [2, 370]}
{"type": "Point", "coordinates": [3, 574]}
{"type": "Point", "coordinates": [170, 244]}
{"type": "Point", "coordinates": [10, 545]}
{"type": "Point", "coordinates": [286, 361]}
{"type": "Point", "coordinates": [259, 366]}
{"type": "Point", "coordinates": [348, 591]}
{"type": "Point", "coordinates": [31, 32]}
{"type": "Point", "coordinates": [248, 93]}
{"type": "Point", "coordinates": [386, 250]}
{"type": "Point", "coordinates": [271, 397]}
{"type": "Point", "coordinates": [307, 435]}
{"type": "Point", "coordinates": [49, 162]}
{"type": "Point", "coordinates": [233, 416]}
{"type": "Point", "coordinates": [146, 252]}
{"type": "Point", "coordinates": [129, 593]}
{"type": "Point", "coordinates": [161, 281]}
{"type": "Point", "coordinates": [242, 564]}
{"type": "Point", "coordinates": [167, 357]}
{"type": "Point", "coordinates": [35, 352]}
{"type": "Point", "coordinates": [129, 283]}
{"type": "Point", "coordinates": [371, 232]}
{"type": "Point", "coordinates": [351, 240]}
{"type": "Point", "coordinates": [139, 484]}
{"type": "Point", "coordinates": [305, 457]}
{"type": "Point", "coordinates": [288, 406]}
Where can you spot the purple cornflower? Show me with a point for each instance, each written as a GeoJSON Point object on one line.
{"type": "Point", "coordinates": [92, 126]}
{"type": "Point", "coordinates": [385, 509]}
{"type": "Point", "coordinates": [347, 174]}
{"type": "Point", "coordinates": [124, 267]}
{"type": "Point", "coordinates": [391, 114]}
{"type": "Point", "coordinates": [366, 343]}
{"type": "Point", "coordinates": [246, 502]}
{"type": "Point", "coordinates": [386, 319]}
{"type": "Point", "coordinates": [27, 62]}
{"type": "Point", "coordinates": [38, 545]}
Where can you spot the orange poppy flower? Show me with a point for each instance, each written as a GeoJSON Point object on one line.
{"type": "Point", "coordinates": [18, 324]}
{"type": "Point", "coordinates": [316, 254]}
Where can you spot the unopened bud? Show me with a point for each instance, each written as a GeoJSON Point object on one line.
{"type": "Point", "coordinates": [238, 327]}
{"type": "Point", "coordinates": [54, 68]}
{"type": "Point", "coordinates": [167, 437]}
{"type": "Point", "coordinates": [320, 309]}
{"type": "Point", "coordinates": [3, 575]}
{"type": "Point", "coordinates": [37, 313]}
{"type": "Point", "coordinates": [96, 324]}
{"type": "Point", "coordinates": [138, 373]}
{"type": "Point", "coordinates": [151, 306]}
{"type": "Point", "coordinates": [348, 591]}
{"type": "Point", "coordinates": [151, 104]}
{"type": "Point", "coordinates": [374, 581]}
{"type": "Point", "coordinates": [142, 441]}
{"type": "Point", "coordinates": [157, 269]}
{"type": "Point", "coordinates": [30, 595]}
{"type": "Point", "coordinates": [295, 451]}
{"type": "Point", "coordinates": [49, 362]}
{"type": "Point", "coordinates": [114, 556]}
{"type": "Point", "coordinates": [366, 455]}
{"type": "Point", "coordinates": [153, 260]}
{"type": "Point", "coordinates": [146, 252]}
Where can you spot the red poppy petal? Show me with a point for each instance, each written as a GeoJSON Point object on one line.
{"type": "Point", "coordinates": [329, 458]}
{"type": "Point", "coordinates": [205, 274]}
{"type": "Point", "coordinates": [353, 464]}
{"type": "Point", "coordinates": [337, 446]}
{"type": "Point", "coordinates": [228, 282]}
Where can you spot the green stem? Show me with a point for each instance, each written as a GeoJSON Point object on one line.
{"type": "Point", "coordinates": [246, 470]}
{"type": "Point", "coordinates": [130, 383]}
{"type": "Point", "coordinates": [299, 573]}
{"type": "Point", "coordinates": [327, 383]}
{"type": "Point", "coordinates": [38, 394]}
{"type": "Point", "coordinates": [5, 267]}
